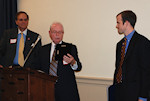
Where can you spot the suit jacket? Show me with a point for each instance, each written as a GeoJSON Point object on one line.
{"type": "Point", "coordinates": [135, 69]}
{"type": "Point", "coordinates": [8, 48]}
{"type": "Point", "coordinates": [65, 87]}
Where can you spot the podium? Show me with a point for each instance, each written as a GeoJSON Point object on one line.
{"type": "Point", "coordinates": [25, 84]}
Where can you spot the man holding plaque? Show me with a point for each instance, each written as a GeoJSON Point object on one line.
{"type": "Point", "coordinates": [60, 59]}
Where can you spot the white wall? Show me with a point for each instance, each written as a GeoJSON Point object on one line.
{"type": "Point", "coordinates": [90, 24]}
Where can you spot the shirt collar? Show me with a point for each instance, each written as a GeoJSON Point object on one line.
{"type": "Point", "coordinates": [129, 36]}
{"type": "Point", "coordinates": [53, 44]}
{"type": "Point", "coordinates": [24, 32]}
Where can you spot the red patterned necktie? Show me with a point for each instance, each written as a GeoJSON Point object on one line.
{"type": "Point", "coordinates": [119, 73]}
{"type": "Point", "coordinates": [53, 65]}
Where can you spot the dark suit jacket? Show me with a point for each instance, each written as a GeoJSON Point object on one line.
{"type": "Point", "coordinates": [8, 49]}
{"type": "Point", "coordinates": [65, 87]}
{"type": "Point", "coordinates": [135, 69]}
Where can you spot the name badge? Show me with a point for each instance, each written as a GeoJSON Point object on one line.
{"type": "Point", "coordinates": [13, 41]}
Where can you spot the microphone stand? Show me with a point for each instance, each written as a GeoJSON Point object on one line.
{"type": "Point", "coordinates": [37, 40]}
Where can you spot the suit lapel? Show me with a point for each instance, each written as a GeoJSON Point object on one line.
{"type": "Point", "coordinates": [46, 56]}
{"type": "Point", "coordinates": [131, 45]}
{"type": "Point", "coordinates": [118, 54]}
{"type": "Point", "coordinates": [48, 53]}
{"type": "Point", "coordinates": [13, 35]}
{"type": "Point", "coordinates": [28, 43]}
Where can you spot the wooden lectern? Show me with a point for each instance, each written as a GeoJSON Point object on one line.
{"type": "Point", "coordinates": [24, 84]}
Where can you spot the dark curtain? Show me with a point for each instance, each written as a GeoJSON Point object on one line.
{"type": "Point", "coordinates": [8, 10]}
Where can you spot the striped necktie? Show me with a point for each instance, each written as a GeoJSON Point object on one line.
{"type": "Point", "coordinates": [21, 48]}
{"type": "Point", "coordinates": [53, 65]}
{"type": "Point", "coordinates": [119, 73]}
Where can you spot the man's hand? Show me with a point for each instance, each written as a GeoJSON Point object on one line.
{"type": "Point", "coordinates": [69, 59]}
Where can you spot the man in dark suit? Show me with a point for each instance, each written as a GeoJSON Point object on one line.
{"type": "Point", "coordinates": [9, 43]}
{"type": "Point", "coordinates": [65, 87]}
{"type": "Point", "coordinates": [132, 74]}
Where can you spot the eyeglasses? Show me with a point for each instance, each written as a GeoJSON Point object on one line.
{"type": "Point", "coordinates": [59, 32]}
{"type": "Point", "coordinates": [23, 19]}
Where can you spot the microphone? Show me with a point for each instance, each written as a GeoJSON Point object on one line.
{"type": "Point", "coordinates": [32, 47]}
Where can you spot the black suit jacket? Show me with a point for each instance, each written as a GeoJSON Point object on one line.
{"type": "Point", "coordinates": [135, 69]}
{"type": "Point", "coordinates": [8, 49]}
{"type": "Point", "coordinates": [65, 87]}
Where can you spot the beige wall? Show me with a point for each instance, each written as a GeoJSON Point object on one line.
{"type": "Point", "coordinates": [93, 89]}
{"type": "Point", "coordinates": [90, 24]}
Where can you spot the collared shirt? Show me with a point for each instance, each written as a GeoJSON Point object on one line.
{"type": "Point", "coordinates": [128, 39]}
{"type": "Point", "coordinates": [74, 67]}
{"type": "Point", "coordinates": [15, 62]}
{"type": "Point", "coordinates": [143, 99]}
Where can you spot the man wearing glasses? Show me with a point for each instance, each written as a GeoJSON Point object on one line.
{"type": "Point", "coordinates": [62, 67]}
{"type": "Point", "coordinates": [16, 44]}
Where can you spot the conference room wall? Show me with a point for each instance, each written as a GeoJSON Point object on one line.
{"type": "Point", "coordinates": [90, 24]}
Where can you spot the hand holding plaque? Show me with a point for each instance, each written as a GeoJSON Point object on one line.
{"type": "Point", "coordinates": [61, 50]}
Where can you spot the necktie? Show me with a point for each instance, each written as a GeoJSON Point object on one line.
{"type": "Point", "coordinates": [53, 65]}
{"type": "Point", "coordinates": [119, 73]}
{"type": "Point", "coordinates": [21, 48]}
